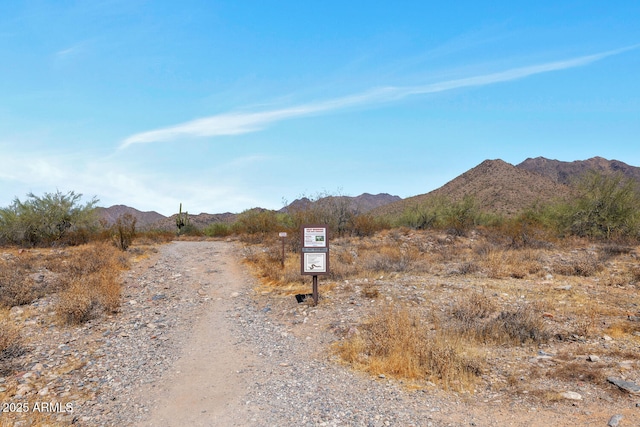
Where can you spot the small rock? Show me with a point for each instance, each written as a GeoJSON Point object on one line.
{"type": "Point", "coordinates": [564, 288]}
{"type": "Point", "coordinates": [627, 386]}
{"type": "Point", "coordinates": [593, 358]}
{"type": "Point", "coordinates": [614, 421]}
{"type": "Point", "coordinates": [571, 395]}
{"type": "Point", "coordinates": [607, 338]}
{"type": "Point", "coordinates": [382, 376]}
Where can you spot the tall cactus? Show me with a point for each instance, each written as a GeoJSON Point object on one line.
{"type": "Point", "coordinates": [182, 220]}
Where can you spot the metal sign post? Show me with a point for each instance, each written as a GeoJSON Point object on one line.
{"type": "Point", "coordinates": [314, 259]}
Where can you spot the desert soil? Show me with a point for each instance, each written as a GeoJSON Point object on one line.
{"type": "Point", "coordinates": [200, 342]}
{"type": "Point", "coordinates": [249, 362]}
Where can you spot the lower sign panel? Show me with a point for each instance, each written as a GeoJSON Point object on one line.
{"type": "Point", "coordinates": [314, 263]}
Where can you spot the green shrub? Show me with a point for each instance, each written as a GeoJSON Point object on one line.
{"type": "Point", "coordinates": [607, 207]}
{"type": "Point", "coordinates": [46, 220]}
{"type": "Point", "coordinates": [257, 221]}
{"type": "Point", "coordinates": [218, 229]}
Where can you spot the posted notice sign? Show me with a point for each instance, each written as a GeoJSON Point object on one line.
{"type": "Point", "coordinates": [315, 250]}
{"type": "Point", "coordinates": [314, 237]}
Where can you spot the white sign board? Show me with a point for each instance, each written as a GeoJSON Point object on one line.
{"type": "Point", "coordinates": [314, 257]}
{"type": "Point", "coordinates": [315, 262]}
{"type": "Point", "coordinates": [315, 237]}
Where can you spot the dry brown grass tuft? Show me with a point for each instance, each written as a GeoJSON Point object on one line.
{"type": "Point", "coordinates": [585, 264]}
{"type": "Point", "coordinates": [395, 342]}
{"type": "Point", "coordinates": [10, 342]}
{"type": "Point", "coordinates": [92, 283]}
{"type": "Point", "coordinates": [579, 371]}
{"type": "Point", "coordinates": [17, 285]}
{"type": "Point", "coordinates": [477, 317]}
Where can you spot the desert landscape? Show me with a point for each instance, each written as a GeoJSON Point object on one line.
{"type": "Point", "coordinates": [462, 306]}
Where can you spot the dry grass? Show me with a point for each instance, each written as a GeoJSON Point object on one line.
{"type": "Point", "coordinates": [395, 342]}
{"type": "Point", "coordinates": [10, 342]}
{"type": "Point", "coordinates": [476, 296]}
{"type": "Point", "coordinates": [17, 284]}
{"type": "Point", "coordinates": [85, 279]}
{"type": "Point", "coordinates": [93, 284]}
{"type": "Point", "coordinates": [579, 371]}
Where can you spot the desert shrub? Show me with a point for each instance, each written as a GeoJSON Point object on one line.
{"type": "Point", "coordinates": [124, 231]}
{"type": "Point", "coordinates": [90, 281]}
{"type": "Point", "coordinates": [396, 342]}
{"type": "Point", "coordinates": [523, 325]}
{"type": "Point", "coordinates": [528, 229]}
{"type": "Point", "coordinates": [218, 229]}
{"type": "Point", "coordinates": [76, 304]}
{"type": "Point", "coordinates": [43, 221]}
{"type": "Point", "coordinates": [516, 263]}
{"type": "Point", "coordinates": [366, 225]}
{"type": "Point", "coordinates": [338, 212]}
{"type": "Point", "coordinates": [459, 217]}
{"type": "Point", "coordinates": [607, 207]}
{"type": "Point", "coordinates": [150, 237]}
{"type": "Point", "coordinates": [11, 344]}
{"type": "Point", "coordinates": [259, 221]}
{"type": "Point", "coordinates": [467, 267]}
{"type": "Point", "coordinates": [477, 317]}
{"type": "Point", "coordinates": [575, 371]}
{"type": "Point", "coordinates": [419, 217]}
{"type": "Point", "coordinates": [584, 265]}
{"type": "Point", "coordinates": [17, 286]}
{"type": "Point", "coordinates": [468, 310]}
{"type": "Point", "coordinates": [390, 259]}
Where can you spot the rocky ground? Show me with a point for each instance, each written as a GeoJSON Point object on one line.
{"type": "Point", "coordinates": [137, 366]}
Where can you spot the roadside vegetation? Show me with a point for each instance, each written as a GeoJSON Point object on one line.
{"type": "Point", "coordinates": [447, 293]}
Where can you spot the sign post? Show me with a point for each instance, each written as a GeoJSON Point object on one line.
{"type": "Point", "coordinates": [283, 236]}
{"type": "Point", "coordinates": [314, 258]}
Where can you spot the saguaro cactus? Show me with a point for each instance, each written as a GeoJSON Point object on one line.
{"type": "Point", "coordinates": [182, 220]}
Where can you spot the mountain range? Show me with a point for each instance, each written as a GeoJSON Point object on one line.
{"type": "Point", "coordinates": [497, 187]}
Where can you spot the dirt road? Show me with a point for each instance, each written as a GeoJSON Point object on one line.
{"type": "Point", "coordinates": [249, 359]}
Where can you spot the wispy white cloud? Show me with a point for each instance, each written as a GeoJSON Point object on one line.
{"type": "Point", "coordinates": [236, 123]}
{"type": "Point", "coordinates": [116, 182]}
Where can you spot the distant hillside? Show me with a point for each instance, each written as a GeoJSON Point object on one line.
{"type": "Point", "coordinates": [153, 220]}
{"type": "Point", "coordinates": [566, 172]}
{"type": "Point", "coordinates": [200, 221]}
{"type": "Point", "coordinates": [144, 219]}
{"type": "Point", "coordinates": [360, 204]}
{"type": "Point", "coordinates": [497, 187]}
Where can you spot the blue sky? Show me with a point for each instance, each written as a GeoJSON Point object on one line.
{"type": "Point", "coordinates": [228, 105]}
